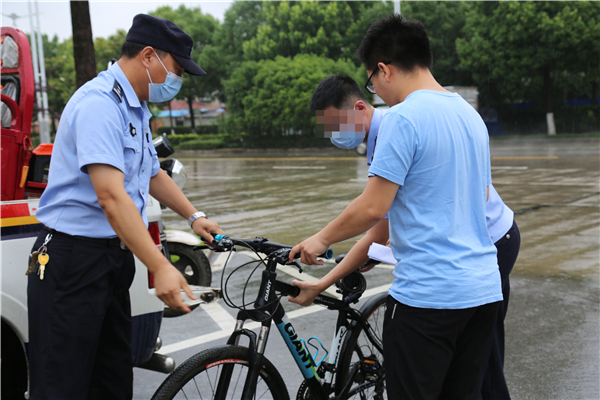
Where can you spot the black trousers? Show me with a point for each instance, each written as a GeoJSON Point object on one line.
{"type": "Point", "coordinates": [435, 354]}
{"type": "Point", "coordinates": [80, 321]}
{"type": "Point", "coordinates": [494, 385]}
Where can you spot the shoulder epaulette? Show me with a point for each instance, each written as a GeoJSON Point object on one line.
{"type": "Point", "coordinates": [118, 91]}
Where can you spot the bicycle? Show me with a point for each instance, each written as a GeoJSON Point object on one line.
{"type": "Point", "coordinates": [354, 367]}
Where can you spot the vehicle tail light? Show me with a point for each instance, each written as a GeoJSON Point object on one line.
{"type": "Point", "coordinates": [154, 231]}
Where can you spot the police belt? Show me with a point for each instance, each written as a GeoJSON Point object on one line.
{"type": "Point", "coordinates": [112, 242]}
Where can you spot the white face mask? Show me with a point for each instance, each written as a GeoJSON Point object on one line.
{"type": "Point", "coordinates": [159, 92]}
{"type": "Point", "coordinates": [347, 137]}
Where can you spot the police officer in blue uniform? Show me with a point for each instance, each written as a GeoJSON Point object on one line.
{"type": "Point", "coordinates": [103, 168]}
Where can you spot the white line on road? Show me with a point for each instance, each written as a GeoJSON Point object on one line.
{"type": "Point", "coordinates": [518, 168]}
{"type": "Point", "coordinates": [296, 167]}
{"type": "Point", "coordinates": [305, 277]}
{"type": "Point", "coordinates": [219, 314]}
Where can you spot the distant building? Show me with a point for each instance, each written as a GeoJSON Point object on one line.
{"type": "Point", "coordinates": [179, 115]}
{"type": "Point", "coordinates": [469, 93]}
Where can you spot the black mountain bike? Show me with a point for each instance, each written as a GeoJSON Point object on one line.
{"type": "Point", "coordinates": [354, 368]}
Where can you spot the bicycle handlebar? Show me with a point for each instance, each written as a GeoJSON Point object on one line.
{"type": "Point", "coordinates": [261, 245]}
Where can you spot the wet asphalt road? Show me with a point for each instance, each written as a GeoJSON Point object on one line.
{"type": "Point", "coordinates": [553, 185]}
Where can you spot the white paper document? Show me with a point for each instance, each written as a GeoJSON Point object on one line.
{"type": "Point", "coordinates": [381, 253]}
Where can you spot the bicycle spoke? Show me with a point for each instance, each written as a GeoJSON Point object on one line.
{"type": "Point", "coordinates": [237, 381]}
{"type": "Point", "coordinates": [185, 395]}
{"type": "Point", "coordinates": [196, 384]}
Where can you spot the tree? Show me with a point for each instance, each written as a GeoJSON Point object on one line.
{"type": "Point", "coordinates": [240, 24]}
{"type": "Point", "coordinates": [271, 97]}
{"type": "Point", "coordinates": [443, 21]}
{"type": "Point", "coordinates": [523, 50]}
{"type": "Point", "coordinates": [108, 49]}
{"type": "Point", "coordinates": [60, 74]}
{"type": "Point", "coordinates": [200, 27]}
{"type": "Point", "coordinates": [83, 45]}
{"type": "Point", "coordinates": [308, 27]}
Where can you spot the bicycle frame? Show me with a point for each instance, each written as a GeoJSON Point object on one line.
{"type": "Point", "coordinates": [272, 311]}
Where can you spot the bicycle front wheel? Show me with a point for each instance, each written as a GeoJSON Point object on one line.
{"type": "Point", "coordinates": [220, 373]}
{"type": "Point", "coordinates": [360, 360]}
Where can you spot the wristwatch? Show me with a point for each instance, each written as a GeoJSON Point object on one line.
{"type": "Point", "coordinates": [195, 216]}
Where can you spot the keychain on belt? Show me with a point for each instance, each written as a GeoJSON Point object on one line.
{"type": "Point", "coordinates": [39, 259]}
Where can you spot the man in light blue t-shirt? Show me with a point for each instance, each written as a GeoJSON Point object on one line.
{"type": "Point", "coordinates": [431, 171]}
{"type": "Point", "coordinates": [337, 94]}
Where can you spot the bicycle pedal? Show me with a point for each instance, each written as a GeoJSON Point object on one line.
{"type": "Point", "coordinates": [371, 368]}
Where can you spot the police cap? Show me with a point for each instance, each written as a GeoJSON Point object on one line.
{"type": "Point", "coordinates": [164, 35]}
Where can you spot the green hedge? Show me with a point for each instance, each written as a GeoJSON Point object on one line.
{"type": "Point", "coordinates": [181, 138]}
{"type": "Point", "coordinates": [287, 142]}
{"type": "Point", "coordinates": [201, 144]}
{"type": "Point", "coordinates": [192, 141]}
{"type": "Point", "coordinates": [179, 130]}
{"type": "Point", "coordinates": [206, 142]}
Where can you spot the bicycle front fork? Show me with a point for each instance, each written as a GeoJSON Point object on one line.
{"type": "Point", "coordinates": [256, 348]}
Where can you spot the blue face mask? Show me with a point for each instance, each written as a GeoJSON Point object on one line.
{"type": "Point", "coordinates": [347, 140]}
{"type": "Point", "coordinates": [159, 92]}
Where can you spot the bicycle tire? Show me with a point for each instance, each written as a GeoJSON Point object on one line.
{"type": "Point", "coordinates": [198, 376]}
{"type": "Point", "coordinates": [369, 382]}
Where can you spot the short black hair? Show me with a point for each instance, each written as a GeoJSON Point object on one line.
{"type": "Point", "coordinates": [132, 49]}
{"type": "Point", "coordinates": [396, 40]}
{"type": "Point", "coordinates": [336, 90]}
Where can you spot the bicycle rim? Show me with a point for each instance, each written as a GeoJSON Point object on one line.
{"type": "Point", "coordinates": [368, 382]}
{"type": "Point", "coordinates": [199, 377]}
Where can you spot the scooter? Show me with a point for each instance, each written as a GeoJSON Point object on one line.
{"type": "Point", "coordinates": [178, 245]}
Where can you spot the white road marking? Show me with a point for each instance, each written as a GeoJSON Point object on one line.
{"type": "Point", "coordinates": [518, 168]}
{"type": "Point", "coordinates": [296, 167]}
{"type": "Point", "coordinates": [219, 314]}
{"type": "Point", "coordinates": [385, 266]}
{"type": "Point", "coordinates": [293, 272]}
{"type": "Point", "coordinates": [214, 178]}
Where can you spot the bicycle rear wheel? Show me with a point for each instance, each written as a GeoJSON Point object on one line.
{"type": "Point", "coordinates": [198, 377]}
{"type": "Point", "coordinates": [359, 353]}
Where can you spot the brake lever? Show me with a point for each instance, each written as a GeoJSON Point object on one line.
{"type": "Point", "coordinates": [282, 257]}
{"type": "Point", "coordinates": [295, 264]}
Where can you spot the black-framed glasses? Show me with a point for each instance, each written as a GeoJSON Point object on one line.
{"type": "Point", "coordinates": [369, 85]}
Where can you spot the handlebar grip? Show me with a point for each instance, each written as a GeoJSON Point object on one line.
{"type": "Point", "coordinates": [327, 255]}
{"type": "Point", "coordinates": [295, 291]}
{"type": "Point", "coordinates": [218, 238]}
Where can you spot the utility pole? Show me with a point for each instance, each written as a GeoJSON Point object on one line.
{"type": "Point", "coordinates": [397, 7]}
{"type": "Point", "coordinates": [39, 74]}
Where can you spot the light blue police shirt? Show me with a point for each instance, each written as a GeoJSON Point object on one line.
{"type": "Point", "coordinates": [498, 216]}
{"type": "Point", "coordinates": [373, 132]}
{"type": "Point", "coordinates": [103, 123]}
{"type": "Point", "coordinates": [435, 146]}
